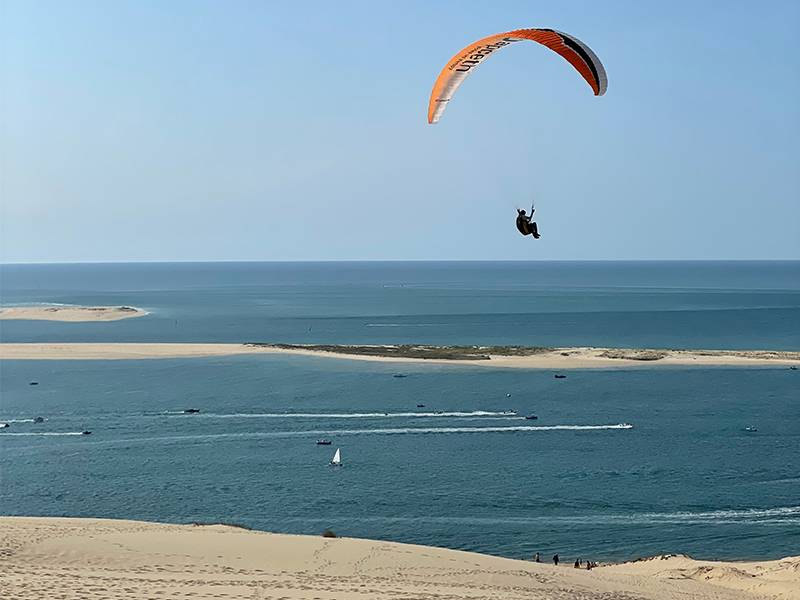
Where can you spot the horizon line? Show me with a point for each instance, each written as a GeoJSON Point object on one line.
{"type": "Point", "coordinates": [400, 260]}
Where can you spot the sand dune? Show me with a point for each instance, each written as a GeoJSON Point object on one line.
{"type": "Point", "coordinates": [95, 558]}
{"type": "Point", "coordinates": [506, 357]}
{"type": "Point", "coordinates": [771, 579]}
{"type": "Point", "coordinates": [70, 313]}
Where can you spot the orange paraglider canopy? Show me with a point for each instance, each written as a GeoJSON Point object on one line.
{"type": "Point", "coordinates": [578, 54]}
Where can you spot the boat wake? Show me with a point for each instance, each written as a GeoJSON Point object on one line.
{"type": "Point", "coordinates": [365, 415]}
{"type": "Point", "coordinates": [405, 325]}
{"type": "Point", "coordinates": [40, 433]}
{"type": "Point", "coordinates": [512, 429]}
{"type": "Point", "coordinates": [759, 515]}
{"type": "Point", "coordinates": [788, 515]}
{"type": "Point", "coordinates": [314, 433]}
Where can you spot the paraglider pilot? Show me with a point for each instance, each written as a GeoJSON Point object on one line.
{"type": "Point", "coordinates": [525, 224]}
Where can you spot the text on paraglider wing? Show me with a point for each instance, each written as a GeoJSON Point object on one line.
{"type": "Point", "coordinates": [465, 63]}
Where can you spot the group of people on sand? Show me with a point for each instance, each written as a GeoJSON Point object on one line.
{"type": "Point", "coordinates": [579, 564]}
{"type": "Point", "coordinates": [588, 564]}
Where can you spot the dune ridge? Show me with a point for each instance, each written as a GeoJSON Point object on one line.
{"type": "Point", "coordinates": [44, 557]}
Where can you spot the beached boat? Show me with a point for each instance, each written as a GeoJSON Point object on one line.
{"type": "Point", "coordinates": [336, 461]}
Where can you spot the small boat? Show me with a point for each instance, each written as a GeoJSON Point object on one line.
{"type": "Point", "coordinates": [34, 383]}
{"type": "Point", "coordinates": [420, 406]}
{"type": "Point", "coordinates": [751, 429]}
{"type": "Point", "coordinates": [508, 395]}
{"type": "Point", "coordinates": [38, 419]}
{"type": "Point", "coordinates": [323, 442]}
{"type": "Point", "coordinates": [531, 417]}
{"type": "Point", "coordinates": [399, 375]}
{"type": "Point", "coordinates": [559, 376]}
{"type": "Point", "coordinates": [793, 368]}
{"type": "Point", "coordinates": [3, 425]}
{"type": "Point", "coordinates": [85, 432]}
{"type": "Point", "coordinates": [336, 461]}
{"type": "Point", "coordinates": [191, 411]}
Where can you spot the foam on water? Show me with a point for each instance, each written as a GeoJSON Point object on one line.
{"type": "Point", "coordinates": [405, 325]}
{"type": "Point", "coordinates": [347, 432]}
{"type": "Point", "coordinates": [365, 415]}
{"type": "Point", "coordinates": [521, 428]}
{"type": "Point", "coordinates": [780, 515]}
{"type": "Point", "coordinates": [40, 433]}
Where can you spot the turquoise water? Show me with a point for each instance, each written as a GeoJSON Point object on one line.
{"type": "Point", "coordinates": [461, 471]}
{"type": "Point", "coordinates": [706, 305]}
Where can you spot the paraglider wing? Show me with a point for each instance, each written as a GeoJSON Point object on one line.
{"type": "Point", "coordinates": [578, 54]}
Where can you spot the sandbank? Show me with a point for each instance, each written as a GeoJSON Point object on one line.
{"type": "Point", "coordinates": [45, 557]}
{"type": "Point", "coordinates": [487, 356]}
{"type": "Point", "coordinates": [72, 314]}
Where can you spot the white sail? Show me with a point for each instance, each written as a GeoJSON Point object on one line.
{"type": "Point", "coordinates": [337, 458]}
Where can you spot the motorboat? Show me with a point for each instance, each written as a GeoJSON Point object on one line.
{"type": "Point", "coordinates": [751, 429]}
{"type": "Point", "coordinates": [531, 417]}
{"type": "Point", "coordinates": [323, 442]}
{"type": "Point", "coordinates": [559, 376]}
{"type": "Point", "coordinates": [191, 411]}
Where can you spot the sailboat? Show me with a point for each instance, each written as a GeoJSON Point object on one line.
{"type": "Point", "coordinates": [336, 461]}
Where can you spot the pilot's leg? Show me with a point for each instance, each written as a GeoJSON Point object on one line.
{"type": "Point", "coordinates": [534, 230]}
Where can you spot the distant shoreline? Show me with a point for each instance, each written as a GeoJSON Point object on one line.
{"type": "Point", "coordinates": [490, 356]}
{"type": "Point", "coordinates": [70, 314]}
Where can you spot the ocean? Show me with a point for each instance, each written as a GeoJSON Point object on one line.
{"type": "Point", "coordinates": [462, 471]}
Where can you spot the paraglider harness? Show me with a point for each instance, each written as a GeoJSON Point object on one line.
{"type": "Point", "coordinates": [525, 224]}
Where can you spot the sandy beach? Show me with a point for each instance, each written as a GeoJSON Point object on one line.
{"type": "Point", "coordinates": [98, 558]}
{"type": "Point", "coordinates": [72, 314]}
{"type": "Point", "coordinates": [533, 358]}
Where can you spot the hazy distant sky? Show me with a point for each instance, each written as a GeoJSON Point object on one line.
{"type": "Point", "coordinates": [297, 130]}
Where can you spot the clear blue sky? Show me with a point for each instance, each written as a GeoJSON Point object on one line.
{"type": "Point", "coordinates": [154, 130]}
